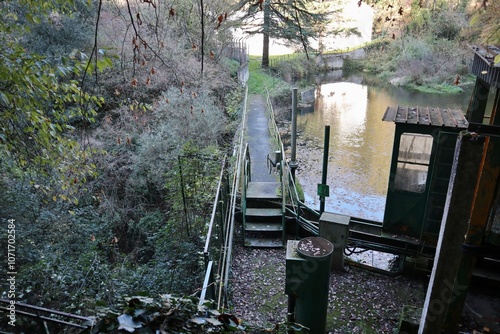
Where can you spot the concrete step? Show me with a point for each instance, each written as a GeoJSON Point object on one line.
{"type": "Point", "coordinates": [263, 212]}
{"type": "Point", "coordinates": [264, 190]}
{"type": "Point", "coordinates": [263, 227]}
{"type": "Point", "coordinates": [263, 243]}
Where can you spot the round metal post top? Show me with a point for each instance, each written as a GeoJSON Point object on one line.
{"type": "Point", "coordinates": [314, 247]}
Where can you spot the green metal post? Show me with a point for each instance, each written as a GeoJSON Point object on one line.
{"type": "Point", "coordinates": [307, 282]}
{"type": "Point", "coordinates": [322, 192]}
{"type": "Point", "coordinates": [293, 162]}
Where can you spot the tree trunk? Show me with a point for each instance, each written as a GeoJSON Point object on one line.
{"type": "Point", "coordinates": [302, 39]}
{"type": "Point", "coordinates": [265, 33]}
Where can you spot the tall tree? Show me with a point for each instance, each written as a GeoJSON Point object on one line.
{"type": "Point", "coordinates": [296, 21]}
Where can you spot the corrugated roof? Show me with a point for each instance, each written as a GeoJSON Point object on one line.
{"type": "Point", "coordinates": [484, 66]}
{"type": "Point", "coordinates": [426, 116]}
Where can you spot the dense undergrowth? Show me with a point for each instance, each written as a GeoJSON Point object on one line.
{"type": "Point", "coordinates": [423, 47]}
{"type": "Point", "coordinates": [418, 47]}
{"type": "Point", "coordinates": [134, 225]}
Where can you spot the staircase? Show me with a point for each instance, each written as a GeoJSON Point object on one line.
{"type": "Point", "coordinates": [263, 215]}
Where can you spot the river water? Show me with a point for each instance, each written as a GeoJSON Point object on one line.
{"type": "Point", "coordinates": [360, 142]}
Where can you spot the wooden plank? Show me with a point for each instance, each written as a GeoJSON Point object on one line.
{"type": "Point", "coordinates": [435, 116]}
{"type": "Point", "coordinates": [411, 115]}
{"type": "Point", "coordinates": [460, 119]}
{"type": "Point", "coordinates": [424, 117]}
{"type": "Point", "coordinates": [390, 114]}
{"type": "Point", "coordinates": [448, 121]}
{"type": "Point", "coordinates": [401, 115]}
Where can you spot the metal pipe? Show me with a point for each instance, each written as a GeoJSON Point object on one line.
{"type": "Point", "coordinates": [325, 166]}
{"type": "Point", "coordinates": [183, 196]}
{"type": "Point", "coordinates": [294, 123]}
{"type": "Point", "coordinates": [293, 163]}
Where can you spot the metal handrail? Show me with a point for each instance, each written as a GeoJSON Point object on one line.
{"type": "Point", "coordinates": [296, 55]}
{"type": "Point", "coordinates": [214, 210]}
{"type": "Point", "coordinates": [293, 196]}
{"type": "Point", "coordinates": [235, 185]}
{"type": "Point", "coordinates": [34, 312]}
{"type": "Point", "coordinates": [208, 282]}
{"type": "Point", "coordinates": [217, 288]}
{"type": "Point", "coordinates": [283, 165]}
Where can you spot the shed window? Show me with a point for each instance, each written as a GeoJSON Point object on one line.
{"type": "Point", "coordinates": [413, 162]}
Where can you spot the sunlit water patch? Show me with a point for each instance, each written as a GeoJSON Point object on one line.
{"type": "Point", "coordinates": [360, 146]}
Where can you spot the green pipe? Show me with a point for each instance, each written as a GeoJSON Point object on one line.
{"type": "Point", "coordinates": [325, 166]}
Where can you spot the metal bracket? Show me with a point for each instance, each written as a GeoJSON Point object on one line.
{"type": "Point", "coordinates": [484, 129]}
{"type": "Point", "coordinates": [273, 163]}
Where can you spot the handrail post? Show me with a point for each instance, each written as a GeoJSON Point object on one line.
{"type": "Point", "coordinates": [323, 189]}
{"type": "Point", "coordinates": [293, 163]}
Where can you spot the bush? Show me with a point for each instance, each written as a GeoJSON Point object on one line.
{"type": "Point", "coordinates": [447, 23]}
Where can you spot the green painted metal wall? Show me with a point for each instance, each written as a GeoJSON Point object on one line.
{"type": "Point", "coordinates": [418, 214]}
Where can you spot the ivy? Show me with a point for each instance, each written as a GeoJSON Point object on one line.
{"type": "Point", "coordinates": [173, 314]}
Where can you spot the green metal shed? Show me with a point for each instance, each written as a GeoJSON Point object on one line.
{"type": "Point", "coordinates": [422, 157]}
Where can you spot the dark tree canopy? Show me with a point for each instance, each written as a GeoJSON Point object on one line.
{"type": "Point", "coordinates": [297, 21]}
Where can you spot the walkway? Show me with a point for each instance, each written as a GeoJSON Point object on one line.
{"type": "Point", "coordinates": [259, 138]}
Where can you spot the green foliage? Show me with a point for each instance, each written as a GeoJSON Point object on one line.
{"type": "Point", "coordinates": [420, 19]}
{"type": "Point", "coordinates": [261, 79]}
{"type": "Point", "coordinates": [233, 102]}
{"type": "Point", "coordinates": [431, 61]}
{"type": "Point", "coordinates": [57, 35]}
{"type": "Point", "coordinates": [447, 23]}
{"type": "Point", "coordinates": [444, 88]}
{"type": "Point", "coordinates": [351, 65]}
{"type": "Point", "coordinates": [485, 23]}
{"type": "Point", "coordinates": [97, 196]}
{"type": "Point", "coordinates": [42, 104]}
{"type": "Point", "coordinates": [429, 54]}
{"type": "Point", "coordinates": [38, 104]}
{"type": "Point", "coordinates": [61, 257]}
{"type": "Point", "coordinates": [172, 314]}
{"type": "Point", "coordinates": [297, 68]}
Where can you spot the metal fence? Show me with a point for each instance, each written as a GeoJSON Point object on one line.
{"type": "Point", "coordinates": [292, 202]}
{"type": "Point", "coordinates": [274, 61]}
{"type": "Point", "coordinates": [217, 252]}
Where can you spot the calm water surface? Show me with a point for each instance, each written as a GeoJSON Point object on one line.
{"type": "Point", "coordinates": [360, 142]}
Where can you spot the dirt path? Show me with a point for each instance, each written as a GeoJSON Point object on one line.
{"type": "Point", "coordinates": [360, 301]}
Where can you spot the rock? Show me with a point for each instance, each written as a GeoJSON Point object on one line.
{"type": "Point", "coordinates": [400, 81]}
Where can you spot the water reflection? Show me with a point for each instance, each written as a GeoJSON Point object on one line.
{"type": "Point", "coordinates": [360, 142]}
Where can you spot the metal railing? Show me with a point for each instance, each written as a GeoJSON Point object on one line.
{"type": "Point", "coordinates": [283, 166]}
{"type": "Point", "coordinates": [215, 234]}
{"type": "Point", "coordinates": [217, 252]}
{"type": "Point", "coordinates": [291, 199]}
{"type": "Point", "coordinates": [45, 315]}
{"type": "Point", "coordinates": [274, 61]}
